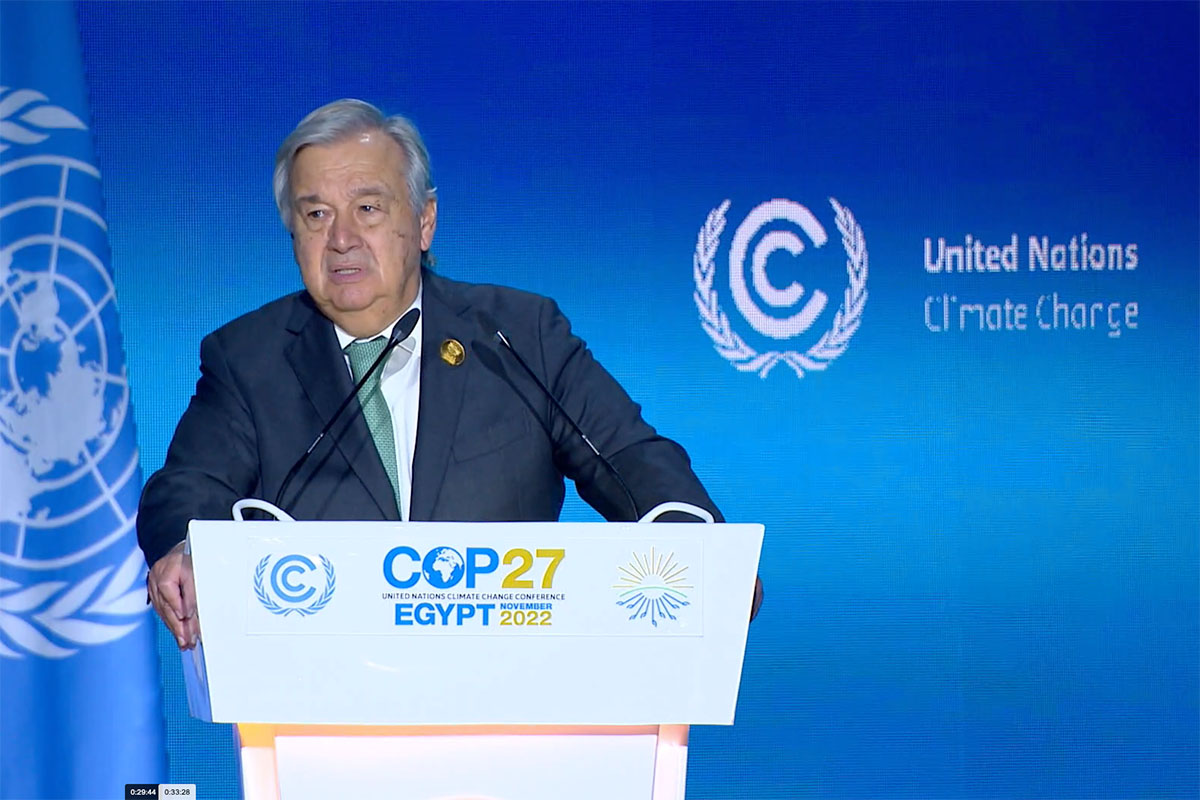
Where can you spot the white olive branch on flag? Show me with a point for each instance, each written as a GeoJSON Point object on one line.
{"type": "Point", "coordinates": [24, 114]}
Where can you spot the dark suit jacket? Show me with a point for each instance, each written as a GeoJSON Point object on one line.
{"type": "Point", "coordinates": [489, 445]}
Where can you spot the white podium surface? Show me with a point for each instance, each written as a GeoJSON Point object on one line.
{"type": "Point", "coordinates": [468, 661]}
{"type": "Point", "coordinates": [471, 623]}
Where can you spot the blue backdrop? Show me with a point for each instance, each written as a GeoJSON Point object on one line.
{"type": "Point", "coordinates": [981, 557]}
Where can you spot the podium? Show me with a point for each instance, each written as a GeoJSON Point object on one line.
{"type": "Point", "coordinates": [468, 661]}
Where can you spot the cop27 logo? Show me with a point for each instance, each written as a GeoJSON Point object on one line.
{"type": "Point", "coordinates": [290, 585]}
{"type": "Point", "coordinates": [760, 228]}
{"type": "Point", "coordinates": [445, 567]}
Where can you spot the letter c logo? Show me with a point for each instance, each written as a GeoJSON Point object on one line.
{"type": "Point", "coordinates": [281, 578]}
{"type": "Point", "coordinates": [756, 220]}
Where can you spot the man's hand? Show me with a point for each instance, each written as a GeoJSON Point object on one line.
{"type": "Point", "coordinates": [173, 594]}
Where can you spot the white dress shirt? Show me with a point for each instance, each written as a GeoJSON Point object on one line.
{"type": "Point", "coordinates": [401, 383]}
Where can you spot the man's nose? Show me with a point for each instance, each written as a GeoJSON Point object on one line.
{"type": "Point", "coordinates": [343, 233]}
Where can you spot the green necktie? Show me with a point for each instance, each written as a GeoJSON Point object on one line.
{"type": "Point", "coordinates": [375, 411]}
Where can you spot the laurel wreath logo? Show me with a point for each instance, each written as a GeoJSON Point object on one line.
{"type": "Point", "coordinates": [269, 603]}
{"type": "Point", "coordinates": [28, 613]}
{"type": "Point", "coordinates": [35, 113]}
{"type": "Point", "coordinates": [733, 348]}
{"type": "Point", "coordinates": [39, 618]}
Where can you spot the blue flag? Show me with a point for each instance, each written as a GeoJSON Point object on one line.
{"type": "Point", "coordinates": [80, 703]}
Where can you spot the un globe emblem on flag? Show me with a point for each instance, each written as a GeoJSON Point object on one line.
{"type": "Point", "coordinates": [70, 570]}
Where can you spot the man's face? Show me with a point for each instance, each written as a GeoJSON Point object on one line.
{"type": "Point", "coordinates": [354, 233]}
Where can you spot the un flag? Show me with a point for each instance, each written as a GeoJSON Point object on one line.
{"type": "Point", "coordinates": [80, 710]}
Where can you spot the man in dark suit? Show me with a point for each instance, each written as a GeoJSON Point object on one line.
{"type": "Point", "coordinates": [453, 430]}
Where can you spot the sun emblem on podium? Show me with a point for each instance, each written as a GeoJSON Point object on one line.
{"type": "Point", "coordinates": [651, 586]}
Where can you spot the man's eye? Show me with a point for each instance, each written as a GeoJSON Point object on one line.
{"type": "Point", "coordinates": [316, 213]}
{"type": "Point", "coordinates": [368, 207]}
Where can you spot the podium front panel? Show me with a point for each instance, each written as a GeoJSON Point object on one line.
{"type": "Point", "coordinates": [472, 623]}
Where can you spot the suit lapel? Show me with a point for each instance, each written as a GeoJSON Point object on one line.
{"type": "Point", "coordinates": [318, 363]}
{"type": "Point", "coordinates": [441, 392]}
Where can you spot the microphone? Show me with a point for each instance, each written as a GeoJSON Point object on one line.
{"type": "Point", "coordinates": [497, 333]}
{"type": "Point", "coordinates": [400, 331]}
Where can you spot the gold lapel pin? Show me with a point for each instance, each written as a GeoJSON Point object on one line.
{"type": "Point", "coordinates": [453, 353]}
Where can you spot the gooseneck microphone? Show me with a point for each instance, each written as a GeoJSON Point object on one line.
{"type": "Point", "coordinates": [400, 331]}
{"type": "Point", "coordinates": [497, 333]}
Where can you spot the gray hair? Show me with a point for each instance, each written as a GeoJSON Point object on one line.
{"type": "Point", "coordinates": [342, 118]}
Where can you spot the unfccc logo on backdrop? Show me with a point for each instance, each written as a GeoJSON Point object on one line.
{"type": "Point", "coordinates": [294, 584]}
{"type": "Point", "coordinates": [793, 310]}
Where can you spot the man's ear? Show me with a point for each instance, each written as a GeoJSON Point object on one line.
{"type": "Point", "coordinates": [428, 223]}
